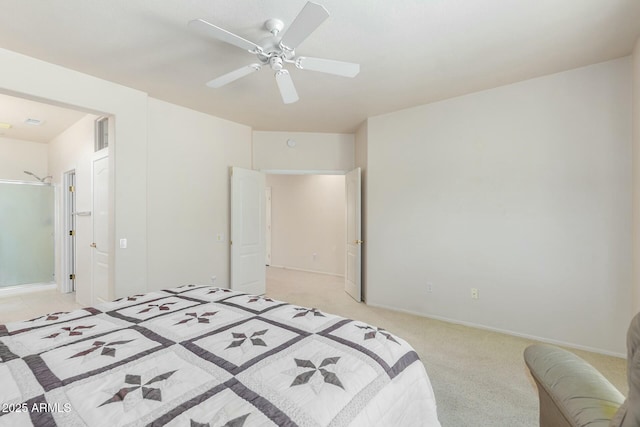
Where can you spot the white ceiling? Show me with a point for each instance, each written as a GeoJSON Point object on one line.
{"type": "Point", "coordinates": [411, 52]}
{"type": "Point", "coordinates": [54, 120]}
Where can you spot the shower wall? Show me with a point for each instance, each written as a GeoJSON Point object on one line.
{"type": "Point", "coordinates": [17, 156]}
{"type": "Point", "coordinates": [26, 233]}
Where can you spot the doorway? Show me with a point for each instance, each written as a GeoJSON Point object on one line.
{"type": "Point", "coordinates": [308, 212]}
{"type": "Point", "coordinates": [308, 222]}
{"type": "Point", "coordinates": [67, 162]}
{"type": "Point", "coordinates": [68, 282]}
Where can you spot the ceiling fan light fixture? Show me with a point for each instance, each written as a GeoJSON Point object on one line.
{"type": "Point", "coordinates": [276, 63]}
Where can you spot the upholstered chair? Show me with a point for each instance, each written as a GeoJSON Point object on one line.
{"type": "Point", "coordinates": [573, 393]}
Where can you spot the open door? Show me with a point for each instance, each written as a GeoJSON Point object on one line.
{"type": "Point", "coordinates": [353, 265]}
{"type": "Point", "coordinates": [100, 216]}
{"type": "Point", "coordinates": [267, 195]}
{"type": "Point", "coordinates": [248, 271]}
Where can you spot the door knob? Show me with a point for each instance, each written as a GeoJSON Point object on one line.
{"type": "Point", "coordinates": [358, 242]}
{"type": "Point", "coordinates": [93, 245]}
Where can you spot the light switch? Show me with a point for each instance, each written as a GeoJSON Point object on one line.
{"type": "Point", "coordinates": [123, 243]}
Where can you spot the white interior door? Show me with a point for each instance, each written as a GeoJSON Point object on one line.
{"type": "Point", "coordinates": [268, 225]}
{"type": "Point", "coordinates": [100, 216]}
{"type": "Point", "coordinates": [353, 265]}
{"type": "Point", "coordinates": [248, 271]}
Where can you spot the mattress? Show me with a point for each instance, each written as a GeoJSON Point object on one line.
{"type": "Point", "coordinates": [206, 356]}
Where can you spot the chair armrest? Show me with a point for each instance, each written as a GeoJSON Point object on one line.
{"type": "Point", "coordinates": [572, 392]}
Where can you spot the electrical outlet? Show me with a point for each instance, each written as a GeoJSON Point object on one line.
{"type": "Point", "coordinates": [474, 293]}
{"type": "Point", "coordinates": [429, 287]}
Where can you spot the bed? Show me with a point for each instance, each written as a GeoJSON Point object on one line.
{"type": "Point", "coordinates": [206, 356]}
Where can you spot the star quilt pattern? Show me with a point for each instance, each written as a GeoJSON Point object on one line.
{"type": "Point", "coordinates": [206, 356]}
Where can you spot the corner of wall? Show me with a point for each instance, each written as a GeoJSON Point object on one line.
{"type": "Point", "coordinates": [636, 176]}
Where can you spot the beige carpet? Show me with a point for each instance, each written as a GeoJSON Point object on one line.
{"type": "Point", "coordinates": [30, 305]}
{"type": "Point", "coordinates": [479, 377]}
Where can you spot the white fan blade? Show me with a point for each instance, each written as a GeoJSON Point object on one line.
{"type": "Point", "coordinates": [309, 18]}
{"type": "Point", "coordinates": [233, 76]}
{"type": "Point", "coordinates": [224, 35]}
{"type": "Point", "coordinates": [287, 89]}
{"type": "Point", "coordinates": [339, 68]}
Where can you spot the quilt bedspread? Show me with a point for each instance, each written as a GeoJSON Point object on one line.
{"type": "Point", "coordinates": [206, 356]}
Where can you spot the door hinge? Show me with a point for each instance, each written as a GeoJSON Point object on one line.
{"type": "Point", "coordinates": [72, 189]}
{"type": "Point", "coordinates": [72, 276]}
{"type": "Point", "coordinates": [72, 232]}
{"type": "Point", "coordinates": [231, 242]}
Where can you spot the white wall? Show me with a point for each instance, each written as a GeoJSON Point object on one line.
{"type": "Point", "coordinates": [313, 151]}
{"type": "Point", "coordinates": [190, 154]}
{"type": "Point", "coordinates": [17, 156]}
{"type": "Point", "coordinates": [172, 150]}
{"type": "Point", "coordinates": [522, 191]}
{"type": "Point", "coordinates": [73, 150]}
{"type": "Point", "coordinates": [35, 79]}
{"type": "Point", "coordinates": [636, 178]}
{"type": "Point", "coordinates": [308, 222]}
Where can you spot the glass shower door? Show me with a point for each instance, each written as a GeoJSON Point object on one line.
{"type": "Point", "coordinates": [26, 233]}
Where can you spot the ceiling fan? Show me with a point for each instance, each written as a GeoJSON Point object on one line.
{"type": "Point", "coordinates": [275, 51]}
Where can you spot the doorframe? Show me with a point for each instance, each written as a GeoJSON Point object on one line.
{"type": "Point", "coordinates": [69, 231]}
{"type": "Point", "coordinates": [89, 108]}
{"type": "Point", "coordinates": [324, 172]}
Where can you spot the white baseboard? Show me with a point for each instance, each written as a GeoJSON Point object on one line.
{"type": "Point", "coordinates": [25, 289]}
{"type": "Point", "coordinates": [306, 271]}
{"type": "Point", "coordinates": [505, 331]}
